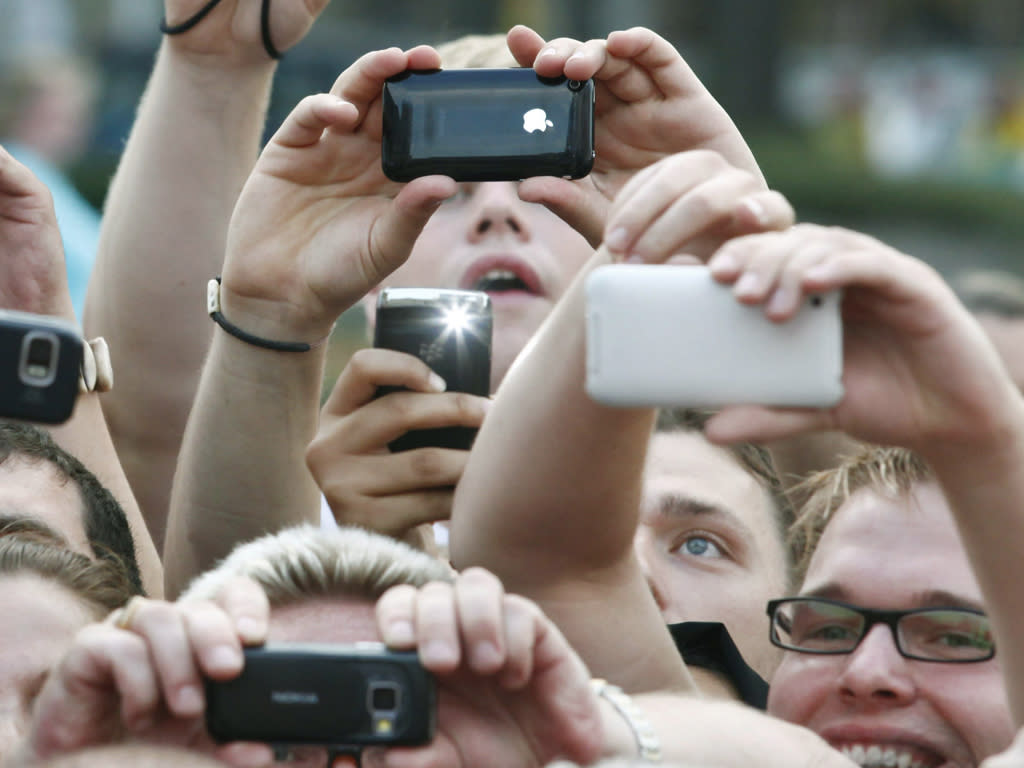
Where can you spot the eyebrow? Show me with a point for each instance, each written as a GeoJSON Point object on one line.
{"type": "Point", "coordinates": [929, 598]}
{"type": "Point", "coordinates": [677, 506]}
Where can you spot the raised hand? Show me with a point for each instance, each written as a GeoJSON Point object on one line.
{"type": "Point", "coordinates": [33, 277]}
{"type": "Point", "coordinates": [139, 674]}
{"type": "Point", "coordinates": [918, 369]}
{"type": "Point", "coordinates": [231, 30]}
{"type": "Point", "coordinates": [363, 482]}
{"type": "Point", "coordinates": [512, 692]}
{"type": "Point", "coordinates": [318, 225]}
{"type": "Point", "coordinates": [649, 105]}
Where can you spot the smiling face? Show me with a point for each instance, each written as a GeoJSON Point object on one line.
{"type": "Point", "coordinates": [486, 238]}
{"type": "Point", "coordinates": [898, 554]}
{"type": "Point", "coordinates": [709, 543]}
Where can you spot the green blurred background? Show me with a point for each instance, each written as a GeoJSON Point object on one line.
{"type": "Point", "coordinates": [902, 118]}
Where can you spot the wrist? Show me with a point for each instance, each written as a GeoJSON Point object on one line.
{"type": "Point", "coordinates": [627, 730]}
{"type": "Point", "coordinates": [219, 78]}
{"type": "Point", "coordinates": [285, 323]}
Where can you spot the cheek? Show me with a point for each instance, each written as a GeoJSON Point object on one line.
{"type": "Point", "coordinates": [977, 708]}
{"type": "Point", "coordinates": [798, 688]}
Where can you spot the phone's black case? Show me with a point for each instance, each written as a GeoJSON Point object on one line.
{"type": "Point", "coordinates": [486, 125]}
{"type": "Point", "coordinates": [314, 694]}
{"type": "Point", "coordinates": [462, 359]}
{"type": "Point", "coordinates": [49, 403]}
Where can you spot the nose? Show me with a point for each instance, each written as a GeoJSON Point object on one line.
{"type": "Point", "coordinates": [876, 674]}
{"type": "Point", "coordinates": [497, 211]}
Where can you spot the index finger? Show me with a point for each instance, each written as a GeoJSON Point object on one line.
{"type": "Point", "coordinates": [247, 606]}
{"type": "Point", "coordinates": [641, 63]}
{"type": "Point", "coordinates": [372, 368]}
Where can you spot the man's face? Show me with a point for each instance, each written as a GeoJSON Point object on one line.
{"type": "Point", "coordinates": [35, 489]}
{"type": "Point", "coordinates": [709, 543]}
{"type": "Point", "coordinates": [47, 618]}
{"type": "Point", "coordinates": [486, 238]}
{"type": "Point", "coordinates": [894, 554]}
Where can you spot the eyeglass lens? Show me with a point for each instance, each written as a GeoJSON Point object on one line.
{"type": "Point", "coordinates": [939, 634]}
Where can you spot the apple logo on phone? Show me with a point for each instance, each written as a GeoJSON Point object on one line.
{"type": "Point", "coordinates": [536, 120]}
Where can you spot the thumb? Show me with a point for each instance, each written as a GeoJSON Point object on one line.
{"type": "Point", "coordinates": [394, 233]}
{"type": "Point", "coordinates": [582, 210]}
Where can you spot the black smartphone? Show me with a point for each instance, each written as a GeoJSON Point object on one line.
{"type": "Point", "coordinates": [40, 365]}
{"type": "Point", "coordinates": [450, 331]}
{"type": "Point", "coordinates": [487, 125]}
{"type": "Point", "coordinates": [329, 695]}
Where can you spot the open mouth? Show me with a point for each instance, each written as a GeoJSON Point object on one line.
{"type": "Point", "coordinates": [501, 281]}
{"type": "Point", "coordinates": [890, 756]}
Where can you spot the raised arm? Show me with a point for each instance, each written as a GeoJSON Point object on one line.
{"type": "Point", "coordinates": [33, 279]}
{"type": "Point", "coordinates": [316, 227]}
{"type": "Point", "coordinates": [550, 497]}
{"type": "Point", "coordinates": [194, 142]}
{"type": "Point", "coordinates": [919, 372]}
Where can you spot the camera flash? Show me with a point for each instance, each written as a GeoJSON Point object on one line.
{"type": "Point", "coordinates": [457, 319]}
{"type": "Point", "coordinates": [383, 726]}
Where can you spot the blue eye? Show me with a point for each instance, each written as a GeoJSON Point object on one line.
{"type": "Point", "coordinates": [701, 546]}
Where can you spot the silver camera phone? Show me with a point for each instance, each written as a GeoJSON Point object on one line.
{"type": "Point", "coordinates": [671, 335]}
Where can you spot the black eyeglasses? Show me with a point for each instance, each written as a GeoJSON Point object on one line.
{"type": "Point", "coordinates": [819, 625]}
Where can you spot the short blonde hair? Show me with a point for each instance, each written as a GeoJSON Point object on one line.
{"type": "Point", "coordinates": [476, 51]}
{"type": "Point", "coordinates": [305, 562]}
{"type": "Point", "coordinates": [892, 472]}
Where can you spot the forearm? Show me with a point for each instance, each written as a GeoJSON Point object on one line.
{"type": "Point", "coordinates": [984, 485]}
{"type": "Point", "coordinates": [693, 731]}
{"type": "Point", "coordinates": [194, 142]}
{"type": "Point", "coordinates": [549, 502]}
{"type": "Point", "coordinates": [242, 469]}
{"type": "Point", "coordinates": [548, 462]}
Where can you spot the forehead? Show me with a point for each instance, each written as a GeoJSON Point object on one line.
{"type": "Point", "coordinates": [48, 617]}
{"type": "Point", "coordinates": [885, 552]}
{"type": "Point", "coordinates": [324, 620]}
{"type": "Point", "coordinates": [685, 464]}
{"type": "Point", "coordinates": [36, 489]}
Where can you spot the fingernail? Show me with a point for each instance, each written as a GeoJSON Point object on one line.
{"type": "Point", "coordinates": [749, 284]}
{"type": "Point", "coordinates": [756, 209]}
{"type": "Point", "coordinates": [189, 700]}
{"type": "Point", "coordinates": [617, 239]}
{"type": "Point", "coordinates": [781, 299]}
{"type": "Point", "coordinates": [486, 656]}
{"type": "Point", "coordinates": [400, 633]}
{"type": "Point", "coordinates": [224, 657]}
{"type": "Point", "coordinates": [437, 653]}
{"type": "Point", "coordinates": [577, 55]}
{"type": "Point", "coordinates": [250, 630]}
{"type": "Point", "coordinates": [546, 52]}
{"type": "Point", "coordinates": [723, 262]}
{"type": "Point", "coordinates": [436, 383]}
{"type": "Point", "coordinates": [634, 258]}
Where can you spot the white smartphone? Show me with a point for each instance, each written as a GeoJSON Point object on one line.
{"type": "Point", "coordinates": [670, 335]}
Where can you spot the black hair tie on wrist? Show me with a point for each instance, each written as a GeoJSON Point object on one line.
{"type": "Point", "coordinates": [185, 26]}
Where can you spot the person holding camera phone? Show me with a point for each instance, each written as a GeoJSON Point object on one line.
{"type": "Point", "coordinates": [195, 138]}
{"type": "Point", "coordinates": [317, 184]}
{"type": "Point", "coordinates": [33, 279]}
{"type": "Point", "coordinates": [918, 372]}
{"type": "Point", "coordinates": [511, 691]}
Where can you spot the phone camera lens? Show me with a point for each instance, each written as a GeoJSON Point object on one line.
{"type": "Point", "coordinates": [38, 358]}
{"type": "Point", "coordinates": [384, 697]}
{"type": "Point", "coordinates": [575, 85]}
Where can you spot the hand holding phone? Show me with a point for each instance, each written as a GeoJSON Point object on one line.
{"type": "Point", "coordinates": [670, 335]}
{"type": "Point", "coordinates": [450, 331]}
{"type": "Point", "coordinates": [339, 696]}
{"type": "Point", "coordinates": [486, 125]}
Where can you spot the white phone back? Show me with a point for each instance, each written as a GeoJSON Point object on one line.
{"type": "Point", "coordinates": [670, 335]}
